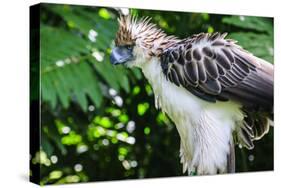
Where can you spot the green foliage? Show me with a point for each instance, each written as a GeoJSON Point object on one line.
{"type": "Point", "coordinates": [76, 54]}
{"type": "Point", "coordinates": [250, 22]}
{"type": "Point", "coordinates": [252, 42]}
{"type": "Point", "coordinates": [257, 37]}
{"type": "Point", "coordinates": [99, 121]}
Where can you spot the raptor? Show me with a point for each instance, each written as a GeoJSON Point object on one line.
{"type": "Point", "coordinates": [216, 93]}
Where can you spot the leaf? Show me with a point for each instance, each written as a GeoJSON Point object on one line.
{"type": "Point", "coordinates": [107, 72]}
{"type": "Point", "coordinates": [48, 91]}
{"type": "Point", "coordinates": [57, 45]}
{"type": "Point", "coordinates": [85, 20]}
{"type": "Point", "coordinates": [123, 80]}
{"type": "Point", "coordinates": [91, 84]}
{"type": "Point", "coordinates": [261, 45]}
{"type": "Point", "coordinates": [249, 22]}
{"type": "Point", "coordinates": [59, 77]}
{"type": "Point", "coordinates": [54, 136]}
{"type": "Point", "coordinates": [47, 146]}
{"type": "Point", "coordinates": [137, 73]}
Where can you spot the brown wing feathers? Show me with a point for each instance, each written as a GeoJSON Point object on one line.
{"type": "Point", "coordinates": [214, 68]}
{"type": "Point", "coordinates": [218, 67]}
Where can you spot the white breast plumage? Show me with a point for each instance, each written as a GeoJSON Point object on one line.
{"type": "Point", "coordinates": [205, 128]}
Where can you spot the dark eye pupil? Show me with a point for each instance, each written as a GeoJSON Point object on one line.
{"type": "Point", "coordinates": [129, 47]}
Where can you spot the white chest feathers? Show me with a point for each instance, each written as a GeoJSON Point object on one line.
{"type": "Point", "coordinates": [205, 128]}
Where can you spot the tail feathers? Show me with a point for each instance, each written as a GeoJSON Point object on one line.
{"type": "Point", "coordinates": [255, 126]}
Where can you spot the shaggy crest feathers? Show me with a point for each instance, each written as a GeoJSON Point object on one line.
{"type": "Point", "coordinates": [144, 33]}
{"type": "Point", "coordinates": [124, 34]}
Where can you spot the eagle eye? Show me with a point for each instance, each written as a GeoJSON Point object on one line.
{"type": "Point", "coordinates": [129, 47]}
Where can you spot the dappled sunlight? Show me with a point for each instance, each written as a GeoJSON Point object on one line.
{"type": "Point", "coordinates": [98, 55]}
{"type": "Point", "coordinates": [92, 35]}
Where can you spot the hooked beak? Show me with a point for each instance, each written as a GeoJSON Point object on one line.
{"type": "Point", "coordinates": [120, 55]}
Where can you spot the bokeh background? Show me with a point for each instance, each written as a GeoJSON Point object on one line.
{"type": "Point", "coordinates": [99, 122]}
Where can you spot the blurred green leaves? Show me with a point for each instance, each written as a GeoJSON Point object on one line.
{"type": "Point", "coordinates": [250, 22]}
{"type": "Point", "coordinates": [146, 130]}
{"type": "Point", "coordinates": [71, 139]}
{"type": "Point", "coordinates": [142, 108]}
{"type": "Point", "coordinates": [257, 37]}
{"type": "Point", "coordinates": [260, 44]}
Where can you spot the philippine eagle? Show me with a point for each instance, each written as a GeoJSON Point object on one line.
{"type": "Point", "coordinates": [216, 93]}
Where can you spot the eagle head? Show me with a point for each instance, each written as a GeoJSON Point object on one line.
{"type": "Point", "coordinates": [137, 41]}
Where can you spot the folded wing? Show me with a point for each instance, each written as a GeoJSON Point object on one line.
{"type": "Point", "coordinates": [214, 68]}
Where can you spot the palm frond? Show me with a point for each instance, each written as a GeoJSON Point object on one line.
{"type": "Point", "coordinates": [75, 58]}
